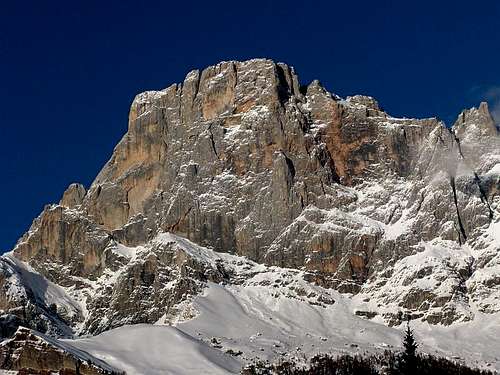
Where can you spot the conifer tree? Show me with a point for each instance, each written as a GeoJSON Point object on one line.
{"type": "Point", "coordinates": [409, 355]}
{"type": "Point", "coordinates": [409, 343]}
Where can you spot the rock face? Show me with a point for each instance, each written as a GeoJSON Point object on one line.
{"type": "Point", "coordinates": [245, 160]}
{"type": "Point", "coordinates": [73, 196]}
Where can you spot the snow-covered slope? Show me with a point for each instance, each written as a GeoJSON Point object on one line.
{"type": "Point", "coordinates": [155, 350]}
{"type": "Point", "coordinates": [274, 313]}
{"type": "Point", "coordinates": [270, 313]}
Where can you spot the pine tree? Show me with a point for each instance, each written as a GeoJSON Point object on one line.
{"type": "Point", "coordinates": [409, 356]}
{"type": "Point", "coordinates": [409, 343]}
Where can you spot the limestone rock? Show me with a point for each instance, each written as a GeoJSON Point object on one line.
{"type": "Point", "coordinates": [65, 237]}
{"type": "Point", "coordinates": [73, 196]}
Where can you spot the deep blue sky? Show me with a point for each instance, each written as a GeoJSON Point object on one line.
{"type": "Point", "coordinates": [69, 70]}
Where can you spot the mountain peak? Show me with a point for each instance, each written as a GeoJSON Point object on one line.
{"type": "Point", "coordinates": [475, 122]}
{"type": "Point", "coordinates": [240, 185]}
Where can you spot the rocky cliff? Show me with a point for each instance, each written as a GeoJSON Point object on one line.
{"type": "Point", "coordinates": [243, 159]}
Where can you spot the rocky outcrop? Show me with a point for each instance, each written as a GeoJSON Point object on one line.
{"type": "Point", "coordinates": [23, 302]}
{"type": "Point", "coordinates": [243, 159]}
{"type": "Point", "coordinates": [73, 196]}
{"type": "Point", "coordinates": [156, 284]}
{"type": "Point", "coordinates": [65, 237]}
{"type": "Point", "coordinates": [31, 353]}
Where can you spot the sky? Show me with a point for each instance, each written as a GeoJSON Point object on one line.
{"type": "Point", "coordinates": [70, 69]}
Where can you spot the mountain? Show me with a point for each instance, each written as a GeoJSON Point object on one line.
{"type": "Point", "coordinates": [245, 215]}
